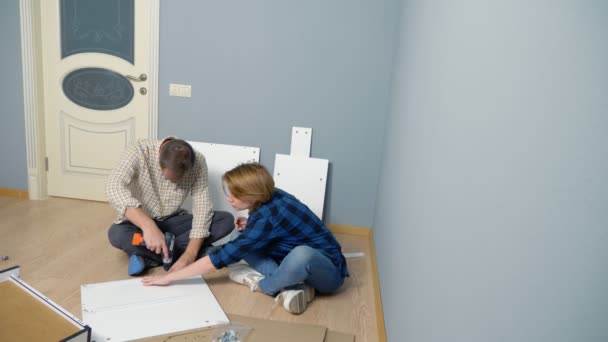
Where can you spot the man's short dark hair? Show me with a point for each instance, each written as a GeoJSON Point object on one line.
{"type": "Point", "coordinates": [177, 156]}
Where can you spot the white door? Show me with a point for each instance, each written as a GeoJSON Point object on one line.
{"type": "Point", "coordinates": [96, 62]}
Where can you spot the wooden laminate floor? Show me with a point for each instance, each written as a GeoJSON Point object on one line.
{"type": "Point", "coordinates": [62, 243]}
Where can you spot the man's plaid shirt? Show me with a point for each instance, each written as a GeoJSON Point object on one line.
{"type": "Point", "coordinates": [138, 182]}
{"type": "Point", "coordinates": [276, 228]}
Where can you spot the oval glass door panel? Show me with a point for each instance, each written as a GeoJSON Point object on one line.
{"type": "Point", "coordinates": [98, 88]}
{"type": "Point", "coordinates": [97, 26]}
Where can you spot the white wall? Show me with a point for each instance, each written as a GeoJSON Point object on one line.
{"type": "Point", "coordinates": [491, 221]}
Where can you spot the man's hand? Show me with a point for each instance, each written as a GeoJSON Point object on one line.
{"type": "Point", "coordinates": [156, 280]}
{"type": "Point", "coordinates": [183, 261]}
{"type": "Point", "coordinates": [189, 255]}
{"type": "Point", "coordinates": [153, 237]}
{"type": "Point", "coordinates": [155, 241]}
{"type": "Point", "coordinates": [240, 223]}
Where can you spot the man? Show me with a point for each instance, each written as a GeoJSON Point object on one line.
{"type": "Point", "coordinates": [148, 189]}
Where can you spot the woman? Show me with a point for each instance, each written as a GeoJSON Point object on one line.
{"type": "Point", "coordinates": [289, 250]}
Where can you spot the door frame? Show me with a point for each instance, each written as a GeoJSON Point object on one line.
{"type": "Point", "coordinates": [33, 102]}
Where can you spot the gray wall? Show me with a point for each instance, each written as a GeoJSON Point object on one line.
{"type": "Point", "coordinates": [257, 68]}
{"type": "Point", "coordinates": [492, 212]}
{"type": "Point", "coordinates": [13, 168]}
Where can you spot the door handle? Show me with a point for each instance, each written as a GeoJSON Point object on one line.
{"type": "Point", "coordinates": [141, 78]}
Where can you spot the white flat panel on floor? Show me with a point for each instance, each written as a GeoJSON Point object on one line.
{"type": "Point", "coordinates": [14, 271]}
{"type": "Point", "coordinates": [301, 139]}
{"type": "Point", "coordinates": [221, 158]}
{"type": "Point", "coordinates": [303, 177]}
{"type": "Point", "coordinates": [125, 310]}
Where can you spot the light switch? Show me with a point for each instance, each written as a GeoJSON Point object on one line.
{"type": "Point", "coordinates": [182, 90]}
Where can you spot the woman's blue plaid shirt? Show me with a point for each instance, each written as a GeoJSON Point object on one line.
{"type": "Point", "coordinates": [277, 227]}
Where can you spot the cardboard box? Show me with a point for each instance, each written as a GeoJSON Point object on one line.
{"type": "Point", "coordinates": [27, 315]}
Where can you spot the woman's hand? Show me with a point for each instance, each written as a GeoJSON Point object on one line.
{"type": "Point", "coordinates": [240, 223]}
{"type": "Point", "coordinates": [200, 267]}
{"type": "Point", "coordinates": [156, 280]}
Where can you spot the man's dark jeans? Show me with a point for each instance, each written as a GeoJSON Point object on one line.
{"type": "Point", "coordinates": [121, 235]}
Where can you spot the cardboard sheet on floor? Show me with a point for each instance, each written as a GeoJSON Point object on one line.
{"type": "Point", "coordinates": [28, 315]}
{"type": "Point", "coordinates": [261, 330]}
{"type": "Point", "coordinates": [127, 310]}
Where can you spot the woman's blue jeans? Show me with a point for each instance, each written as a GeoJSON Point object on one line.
{"type": "Point", "coordinates": [302, 265]}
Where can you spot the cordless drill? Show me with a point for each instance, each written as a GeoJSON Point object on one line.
{"type": "Point", "coordinates": [138, 240]}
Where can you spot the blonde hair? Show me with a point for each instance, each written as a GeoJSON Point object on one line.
{"type": "Point", "coordinates": [249, 182]}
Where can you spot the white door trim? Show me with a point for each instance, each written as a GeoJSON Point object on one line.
{"type": "Point", "coordinates": [31, 62]}
{"type": "Point", "coordinates": [34, 118]}
{"type": "Point", "coordinates": [153, 83]}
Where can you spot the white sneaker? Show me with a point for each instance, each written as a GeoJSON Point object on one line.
{"type": "Point", "coordinates": [296, 301]}
{"type": "Point", "coordinates": [246, 275]}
